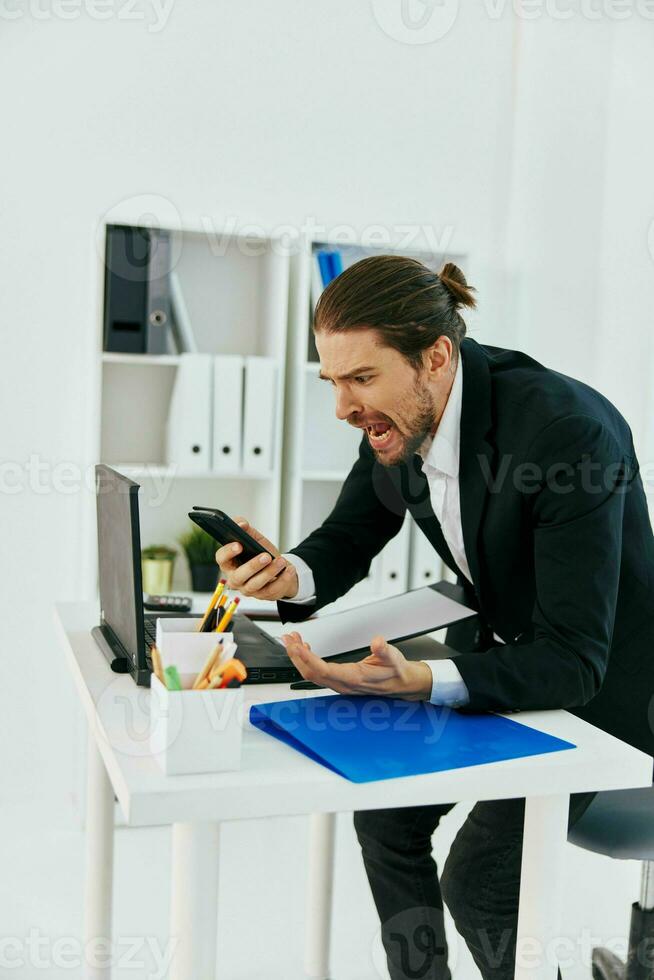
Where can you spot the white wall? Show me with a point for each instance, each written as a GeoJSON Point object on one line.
{"type": "Point", "coordinates": [625, 335]}
{"type": "Point", "coordinates": [281, 113]}
{"type": "Point", "coordinates": [263, 114]}
{"type": "Point", "coordinates": [582, 205]}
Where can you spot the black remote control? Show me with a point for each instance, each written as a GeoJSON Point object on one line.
{"type": "Point", "coordinates": [168, 603]}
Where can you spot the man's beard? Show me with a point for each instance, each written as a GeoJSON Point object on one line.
{"type": "Point", "coordinates": [414, 429]}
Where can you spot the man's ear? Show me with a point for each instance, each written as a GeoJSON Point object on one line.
{"type": "Point", "coordinates": [438, 359]}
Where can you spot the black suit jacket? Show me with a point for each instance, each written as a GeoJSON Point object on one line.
{"type": "Point", "coordinates": [557, 536]}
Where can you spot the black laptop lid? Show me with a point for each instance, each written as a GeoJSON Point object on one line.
{"type": "Point", "coordinates": [119, 560]}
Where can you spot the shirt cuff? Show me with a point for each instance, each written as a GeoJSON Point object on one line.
{"type": "Point", "coordinates": [306, 586]}
{"type": "Point", "coordinates": [448, 687]}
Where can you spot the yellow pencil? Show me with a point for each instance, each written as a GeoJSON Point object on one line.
{"type": "Point", "coordinates": [208, 666]}
{"type": "Point", "coordinates": [229, 612]}
{"type": "Point", "coordinates": [212, 602]}
{"type": "Point", "coordinates": [156, 664]}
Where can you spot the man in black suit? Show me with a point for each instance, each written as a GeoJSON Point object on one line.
{"type": "Point", "coordinates": [527, 484]}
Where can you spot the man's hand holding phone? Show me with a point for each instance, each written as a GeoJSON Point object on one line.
{"type": "Point", "coordinates": [262, 577]}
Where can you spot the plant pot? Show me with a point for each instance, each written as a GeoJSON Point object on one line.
{"type": "Point", "coordinates": [157, 575]}
{"type": "Point", "coordinates": [204, 577]}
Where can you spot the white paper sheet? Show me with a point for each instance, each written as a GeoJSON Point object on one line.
{"type": "Point", "coordinates": [396, 618]}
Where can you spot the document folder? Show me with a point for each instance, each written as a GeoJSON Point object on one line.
{"type": "Point", "coordinates": [137, 306]}
{"type": "Point", "coordinates": [188, 431]}
{"type": "Point", "coordinates": [227, 413]}
{"type": "Point", "coordinates": [397, 617]}
{"type": "Point", "coordinates": [370, 738]}
{"type": "Point", "coordinates": [259, 414]}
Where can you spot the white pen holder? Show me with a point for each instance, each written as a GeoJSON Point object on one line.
{"type": "Point", "coordinates": [193, 731]}
{"type": "Point", "coordinates": [181, 646]}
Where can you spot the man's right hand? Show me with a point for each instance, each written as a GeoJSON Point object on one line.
{"type": "Point", "coordinates": [262, 577]}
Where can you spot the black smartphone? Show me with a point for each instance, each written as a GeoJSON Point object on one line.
{"type": "Point", "coordinates": [225, 531]}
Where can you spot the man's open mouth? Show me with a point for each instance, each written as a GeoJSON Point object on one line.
{"type": "Point", "coordinates": [379, 433]}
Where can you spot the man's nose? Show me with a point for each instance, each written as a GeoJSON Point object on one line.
{"type": "Point", "coordinates": [346, 405]}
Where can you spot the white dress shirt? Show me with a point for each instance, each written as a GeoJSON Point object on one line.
{"type": "Point", "coordinates": [440, 455]}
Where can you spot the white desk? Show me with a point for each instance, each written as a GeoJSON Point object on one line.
{"type": "Point", "coordinates": [276, 780]}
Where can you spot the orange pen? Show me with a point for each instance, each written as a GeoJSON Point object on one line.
{"type": "Point", "coordinates": [232, 670]}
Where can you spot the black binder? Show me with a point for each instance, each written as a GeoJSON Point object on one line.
{"type": "Point", "coordinates": [137, 306]}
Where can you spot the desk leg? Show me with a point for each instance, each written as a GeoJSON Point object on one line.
{"type": "Point", "coordinates": [545, 836]}
{"type": "Point", "coordinates": [322, 830]}
{"type": "Point", "coordinates": [99, 864]}
{"type": "Point", "coordinates": [194, 900]}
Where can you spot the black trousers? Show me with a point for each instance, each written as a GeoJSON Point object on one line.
{"type": "Point", "coordinates": [480, 884]}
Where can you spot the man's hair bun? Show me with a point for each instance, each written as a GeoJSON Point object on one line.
{"type": "Point", "coordinates": [456, 285]}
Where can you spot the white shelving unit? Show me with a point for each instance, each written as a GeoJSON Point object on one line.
{"type": "Point", "coordinates": [245, 298]}
{"type": "Point", "coordinates": [320, 451]}
{"type": "Point", "coordinates": [237, 302]}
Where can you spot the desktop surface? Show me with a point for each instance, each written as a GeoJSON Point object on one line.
{"type": "Point", "coordinates": [274, 780]}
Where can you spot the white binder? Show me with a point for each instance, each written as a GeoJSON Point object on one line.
{"type": "Point", "coordinates": [370, 585]}
{"type": "Point", "coordinates": [426, 565]}
{"type": "Point", "coordinates": [188, 430]}
{"type": "Point", "coordinates": [227, 412]}
{"type": "Point", "coordinates": [259, 414]}
{"type": "Point", "coordinates": [395, 562]}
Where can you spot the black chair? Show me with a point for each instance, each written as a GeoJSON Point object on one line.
{"type": "Point", "coordinates": [621, 824]}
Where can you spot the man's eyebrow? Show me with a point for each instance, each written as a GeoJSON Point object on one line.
{"type": "Point", "coordinates": [350, 374]}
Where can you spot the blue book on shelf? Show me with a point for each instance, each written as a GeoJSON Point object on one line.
{"type": "Point", "coordinates": [370, 738]}
{"type": "Point", "coordinates": [325, 268]}
{"type": "Point", "coordinates": [336, 262]}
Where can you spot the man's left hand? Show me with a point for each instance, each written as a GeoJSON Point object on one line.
{"type": "Point", "coordinates": [385, 672]}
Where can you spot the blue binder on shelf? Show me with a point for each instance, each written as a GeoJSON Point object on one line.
{"type": "Point", "coordinates": [330, 264]}
{"type": "Point", "coordinates": [370, 738]}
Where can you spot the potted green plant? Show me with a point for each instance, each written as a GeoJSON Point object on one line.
{"type": "Point", "coordinates": [157, 563]}
{"type": "Point", "coordinates": [200, 550]}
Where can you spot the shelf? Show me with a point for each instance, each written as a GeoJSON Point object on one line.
{"type": "Point", "coordinates": [164, 360]}
{"type": "Point", "coordinates": [323, 476]}
{"type": "Point", "coordinates": [158, 470]}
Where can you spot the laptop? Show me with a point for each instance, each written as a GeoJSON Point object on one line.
{"type": "Point", "coordinates": [126, 632]}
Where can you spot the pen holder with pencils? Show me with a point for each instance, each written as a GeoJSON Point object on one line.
{"type": "Point", "coordinates": [180, 644]}
{"type": "Point", "coordinates": [193, 731]}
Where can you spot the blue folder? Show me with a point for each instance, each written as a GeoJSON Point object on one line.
{"type": "Point", "coordinates": [370, 738]}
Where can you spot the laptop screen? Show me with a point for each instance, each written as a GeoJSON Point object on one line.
{"type": "Point", "coordinates": [119, 559]}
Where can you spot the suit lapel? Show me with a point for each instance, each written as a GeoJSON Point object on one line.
{"type": "Point", "coordinates": [475, 458]}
